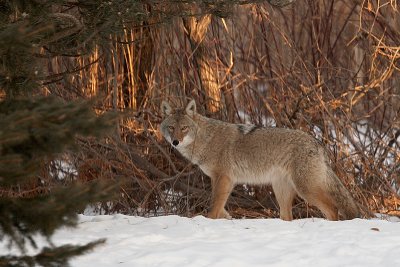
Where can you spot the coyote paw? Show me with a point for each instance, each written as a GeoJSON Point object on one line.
{"type": "Point", "coordinates": [226, 215]}
{"type": "Point", "coordinates": [219, 215]}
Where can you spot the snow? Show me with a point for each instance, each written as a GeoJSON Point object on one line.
{"type": "Point", "coordinates": [180, 241]}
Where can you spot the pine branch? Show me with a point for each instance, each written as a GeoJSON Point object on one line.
{"type": "Point", "coordinates": [34, 130]}
{"type": "Point", "coordinates": [23, 218]}
{"type": "Point", "coordinates": [49, 256]}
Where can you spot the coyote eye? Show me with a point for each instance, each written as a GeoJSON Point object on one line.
{"type": "Point", "coordinates": [171, 128]}
{"type": "Point", "coordinates": [184, 128]}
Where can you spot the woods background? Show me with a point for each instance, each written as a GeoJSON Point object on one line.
{"type": "Point", "coordinates": [330, 68]}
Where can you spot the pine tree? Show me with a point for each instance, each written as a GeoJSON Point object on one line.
{"type": "Point", "coordinates": [35, 129]}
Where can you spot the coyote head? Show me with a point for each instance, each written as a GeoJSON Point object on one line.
{"type": "Point", "coordinates": [178, 126]}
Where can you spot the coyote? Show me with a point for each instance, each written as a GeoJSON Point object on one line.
{"type": "Point", "coordinates": [293, 162]}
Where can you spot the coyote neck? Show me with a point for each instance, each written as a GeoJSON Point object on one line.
{"type": "Point", "coordinates": [198, 150]}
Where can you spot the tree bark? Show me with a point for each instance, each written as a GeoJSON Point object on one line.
{"type": "Point", "coordinates": [196, 29]}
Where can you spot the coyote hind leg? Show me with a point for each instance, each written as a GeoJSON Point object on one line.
{"type": "Point", "coordinates": [318, 195]}
{"type": "Point", "coordinates": [323, 201]}
{"type": "Point", "coordinates": [284, 193]}
{"type": "Point", "coordinates": [221, 190]}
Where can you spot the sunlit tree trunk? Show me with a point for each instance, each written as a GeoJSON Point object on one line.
{"type": "Point", "coordinates": [196, 29]}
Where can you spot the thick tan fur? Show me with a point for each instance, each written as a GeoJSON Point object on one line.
{"type": "Point", "coordinates": [291, 161]}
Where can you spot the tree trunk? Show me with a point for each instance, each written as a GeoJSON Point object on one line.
{"type": "Point", "coordinates": [196, 29]}
{"type": "Point", "coordinates": [144, 63]}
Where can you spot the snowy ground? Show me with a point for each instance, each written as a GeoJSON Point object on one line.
{"type": "Point", "coordinates": [178, 241]}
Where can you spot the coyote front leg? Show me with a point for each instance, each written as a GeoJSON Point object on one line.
{"type": "Point", "coordinates": [221, 189]}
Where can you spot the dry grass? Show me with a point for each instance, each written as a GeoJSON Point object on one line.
{"type": "Point", "coordinates": [330, 68]}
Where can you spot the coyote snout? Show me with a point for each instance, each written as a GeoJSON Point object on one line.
{"type": "Point", "coordinates": [175, 142]}
{"type": "Point", "coordinates": [293, 162]}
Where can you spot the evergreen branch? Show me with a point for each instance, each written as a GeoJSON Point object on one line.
{"type": "Point", "coordinates": [65, 32]}
{"type": "Point", "coordinates": [49, 256]}
{"type": "Point", "coordinates": [48, 212]}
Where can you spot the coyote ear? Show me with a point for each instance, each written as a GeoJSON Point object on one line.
{"type": "Point", "coordinates": [191, 108]}
{"type": "Point", "coordinates": [165, 108]}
